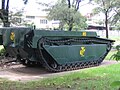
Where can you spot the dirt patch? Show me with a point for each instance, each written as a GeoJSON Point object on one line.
{"type": "Point", "coordinates": [22, 73]}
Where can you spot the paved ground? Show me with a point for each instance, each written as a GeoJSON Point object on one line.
{"type": "Point", "coordinates": [22, 73]}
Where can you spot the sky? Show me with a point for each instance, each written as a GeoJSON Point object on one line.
{"type": "Point", "coordinates": [33, 7]}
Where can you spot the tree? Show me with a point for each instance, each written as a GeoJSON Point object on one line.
{"type": "Point", "coordinates": [66, 15]}
{"type": "Point", "coordinates": [110, 9]}
{"type": "Point", "coordinates": [117, 25]}
{"type": "Point", "coordinates": [116, 17]}
{"type": "Point", "coordinates": [17, 19]}
{"type": "Point", "coordinates": [66, 11]}
{"type": "Point", "coordinates": [116, 56]}
{"type": "Point", "coordinates": [4, 12]}
{"type": "Point", "coordinates": [75, 3]}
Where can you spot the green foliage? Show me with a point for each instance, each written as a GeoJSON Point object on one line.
{"type": "Point", "coordinates": [2, 52]}
{"type": "Point", "coordinates": [115, 83]}
{"type": "Point", "coordinates": [32, 25]}
{"type": "Point", "coordinates": [117, 26]}
{"type": "Point", "coordinates": [116, 17]}
{"type": "Point", "coordinates": [116, 56]}
{"type": "Point", "coordinates": [111, 8]}
{"type": "Point", "coordinates": [16, 18]}
{"type": "Point", "coordinates": [67, 16]}
{"type": "Point", "coordinates": [110, 54]}
{"type": "Point", "coordinates": [111, 11]}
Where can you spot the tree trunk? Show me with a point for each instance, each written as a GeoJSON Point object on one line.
{"type": "Point", "coordinates": [3, 4]}
{"type": "Point", "coordinates": [61, 26]}
{"type": "Point", "coordinates": [69, 5]}
{"type": "Point", "coordinates": [5, 13]}
{"type": "Point", "coordinates": [106, 24]}
{"type": "Point", "coordinates": [70, 26]}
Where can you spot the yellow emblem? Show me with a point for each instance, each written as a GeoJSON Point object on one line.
{"type": "Point", "coordinates": [12, 36]}
{"type": "Point", "coordinates": [82, 51]}
{"type": "Point", "coordinates": [84, 34]}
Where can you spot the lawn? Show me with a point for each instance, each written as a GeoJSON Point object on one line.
{"type": "Point", "coordinates": [113, 51]}
{"type": "Point", "coordinates": [98, 78]}
{"type": "Point", "coordinates": [108, 57]}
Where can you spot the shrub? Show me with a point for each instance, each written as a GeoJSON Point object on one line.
{"type": "Point", "coordinates": [2, 52]}
{"type": "Point", "coordinates": [116, 56]}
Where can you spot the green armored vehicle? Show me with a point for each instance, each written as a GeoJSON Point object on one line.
{"type": "Point", "coordinates": [55, 50]}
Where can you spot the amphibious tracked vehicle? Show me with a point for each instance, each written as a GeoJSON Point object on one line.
{"type": "Point", "coordinates": [55, 50]}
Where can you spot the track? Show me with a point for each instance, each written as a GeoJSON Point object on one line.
{"type": "Point", "coordinates": [54, 67]}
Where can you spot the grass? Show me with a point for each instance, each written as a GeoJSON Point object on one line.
{"type": "Point", "coordinates": [115, 38]}
{"type": "Point", "coordinates": [110, 54]}
{"type": "Point", "coordinates": [90, 79]}
{"type": "Point", "coordinates": [98, 78]}
{"type": "Point", "coordinates": [117, 42]}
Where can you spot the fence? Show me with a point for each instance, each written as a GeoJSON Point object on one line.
{"type": "Point", "coordinates": [111, 33]}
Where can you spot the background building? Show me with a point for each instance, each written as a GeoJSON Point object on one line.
{"type": "Point", "coordinates": [40, 20]}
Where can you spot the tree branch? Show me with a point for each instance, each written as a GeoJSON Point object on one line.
{"type": "Point", "coordinates": [78, 3]}
{"type": "Point", "coordinates": [25, 1]}
{"type": "Point", "coordinates": [69, 5]}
